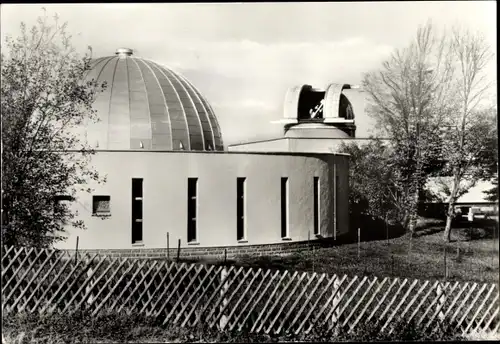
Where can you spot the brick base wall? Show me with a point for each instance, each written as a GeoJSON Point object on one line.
{"type": "Point", "coordinates": [281, 249]}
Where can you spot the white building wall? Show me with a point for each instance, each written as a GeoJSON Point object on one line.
{"type": "Point", "coordinates": [166, 176]}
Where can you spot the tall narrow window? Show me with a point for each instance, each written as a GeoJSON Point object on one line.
{"type": "Point", "coordinates": [316, 205]}
{"type": "Point", "coordinates": [284, 207]}
{"type": "Point", "coordinates": [335, 203]}
{"type": "Point", "coordinates": [192, 209]}
{"type": "Point", "coordinates": [137, 210]}
{"type": "Point", "coordinates": [240, 208]}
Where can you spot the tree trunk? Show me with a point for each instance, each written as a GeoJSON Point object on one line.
{"type": "Point", "coordinates": [451, 207]}
{"type": "Point", "coordinates": [413, 212]}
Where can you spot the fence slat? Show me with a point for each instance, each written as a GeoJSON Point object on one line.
{"type": "Point", "coordinates": [249, 286]}
{"type": "Point", "coordinates": [374, 311]}
{"type": "Point", "coordinates": [325, 306]}
{"type": "Point", "coordinates": [40, 283]}
{"type": "Point", "coordinates": [152, 297]}
{"type": "Point", "coordinates": [262, 300]}
{"type": "Point", "coordinates": [380, 285]}
{"type": "Point", "coordinates": [68, 288]}
{"type": "Point", "coordinates": [280, 311]}
{"type": "Point", "coordinates": [408, 306]}
{"type": "Point", "coordinates": [6, 269]}
{"type": "Point", "coordinates": [28, 269]}
{"type": "Point", "coordinates": [359, 301]}
{"type": "Point", "coordinates": [103, 302]}
{"type": "Point", "coordinates": [31, 281]}
{"type": "Point", "coordinates": [277, 301]}
{"type": "Point", "coordinates": [21, 265]}
{"type": "Point", "coordinates": [146, 287]}
{"type": "Point", "coordinates": [464, 301]}
{"type": "Point", "coordinates": [481, 306]}
{"type": "Point", "coordinates": [54, 280]}
{"type": "Point", "coordinates": [477, 328]}
{"type": "Point", "coordinates": [323, 292]}
{"type": "Point", "coordinates": [470, 306]}
{"type": "Point", "coordinates": [223, 284]}
{"type": "Point", "coordinates": [228, 300]}
{"type": "Point", "coordinates": [276, 274]}
{"type": "Point", "coordinates": [83, 285]}
{"type": "Point", "coordinates": [491, 319]}
{"type": "Point", "coordinates": [188, 301]}
{"type": "Point", "coordinates": [269, 300]}
{"type": "Point", "coordinates": [174, 291]}
{"type": "Point", "coordinates": [296, 302]}
{"type": "Point", "coordinates": [203, 294]}
{"type": "Point", "coordinates": [179, 300]}
{"type": "Point", "coordinates": [403, 299]}
{"type": "Point", "coordinates": [5, 255]}
{"type": "Point", "coordinates": [308, 300]}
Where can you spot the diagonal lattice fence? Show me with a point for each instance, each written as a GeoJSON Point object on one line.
{"type": "Point", "coordinates": [255, 300]}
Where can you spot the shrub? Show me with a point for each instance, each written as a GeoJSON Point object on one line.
{"type": "Point", "coordinates": [81, 327]}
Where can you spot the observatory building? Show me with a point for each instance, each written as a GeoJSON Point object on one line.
{"type": "Point", "coordinates": [159, 144]}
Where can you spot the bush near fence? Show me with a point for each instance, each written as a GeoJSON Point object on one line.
{"type": "Point", "coordinates": [239, 298]}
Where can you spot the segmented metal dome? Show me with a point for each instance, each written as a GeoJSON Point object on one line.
{"type": "Point", "coordinates": [148, 106]}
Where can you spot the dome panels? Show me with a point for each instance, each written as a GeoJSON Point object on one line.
{"type": "Point", "coordinates": [148, 106]}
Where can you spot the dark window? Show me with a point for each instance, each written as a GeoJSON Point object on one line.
{"type": "Point", "coordinates": [284, 207]}
{"type": "Point", "coordinates": [137, 210]}
{"type": "Point", "coordinates": [192, 208]}
{"type": "Point", "coordinates": [137, 187]}
{"type": "Point", "coordinates": [240, 208]}
{"type": "Point", "coordinates": [60, 198]}
{"type": "Point", "coordinates": [316, 205]}
{"type": "Point", "coordinates": [101, 205]}
{"type": "Point", "coordinates": [61, 206]}
{"type": "Point", "coordinates": [337, 188]}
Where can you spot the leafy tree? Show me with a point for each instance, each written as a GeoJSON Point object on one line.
{"type": "Point", "coordinates": [408, 98]}
{"type": "Point", "coordinates": [469, 143]}
{"type": "Point", "coordinates": [492, 194]}
{"type": "Point", "coordinates": [372, 187]}
{"type": "Point", "coordinates": [43, 97]}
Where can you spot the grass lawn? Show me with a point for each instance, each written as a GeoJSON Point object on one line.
{"type": "Point", "coordinates": [473, 255]}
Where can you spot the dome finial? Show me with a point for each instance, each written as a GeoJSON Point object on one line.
{"type": "Point", "coordinates": [124, 52]}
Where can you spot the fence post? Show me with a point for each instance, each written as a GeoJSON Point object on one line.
{"type": "Point", "coordinates": [445, 267]}
{"type": "Point", "coordinates": [359, 242]}
{"type": "Point", "coordinates": [223, 320]}
{"type": "Point", "coordinates": [168, 246]}
{"type": "Point", "coordinates": [178, 250]}
{"type": "Point", "coordinates": [76, 251]}
{"type": "Point", "coordinates": [313, 256]}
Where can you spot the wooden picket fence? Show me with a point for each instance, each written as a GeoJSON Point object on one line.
{"type": "Point", "coordinates": [227, 297]}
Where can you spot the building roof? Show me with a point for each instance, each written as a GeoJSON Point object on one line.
{"type": "Point", "coordinates": [149, 106]}
{"type": "Point", "coordinates": [315, 130]}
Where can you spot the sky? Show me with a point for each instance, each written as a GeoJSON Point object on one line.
{"type": "Point", "coordinates": [244, 56]}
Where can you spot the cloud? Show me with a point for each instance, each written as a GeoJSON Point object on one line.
{"type": "Point", "coordinates": [318, 61]}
